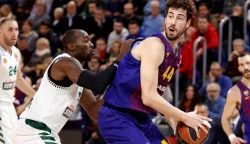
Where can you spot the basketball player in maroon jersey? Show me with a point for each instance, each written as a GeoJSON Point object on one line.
{"type": "Point", "coordinates": [238, 98]}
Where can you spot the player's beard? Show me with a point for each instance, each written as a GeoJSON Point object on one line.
{"type": "Point", "coordinates": [246, 74]}
{"type": "Point", "coordinates": [174, 37]}
{"type": "Point", "coordinates": [8, 41]}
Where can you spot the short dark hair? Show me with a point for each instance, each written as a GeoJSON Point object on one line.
{"type": "Point", "coordinates": [92, 2]}
{"type": "Point", "coordinates": [203, 4]}
{"type": "Point", "coordinates": [101, 38]}
{"type": "Point", "coordinates": [22, 37]}
{"type": "Point", "coordinates": [133, 22]}
{"type": "Point", "coordinates": [187, 5]}
{"type": "Point", "coordinates": [243, 54]}
{"type": "Point", "coordinates": [97, 58]}
{"type": "Point", "coordinates": [45, 23]}
{"type": "Point", "coordinates": [207, 17]}
{"type": "Point", "coordinates": [118, 20]}
{"type": "Point", "coordinates": [4, 20]}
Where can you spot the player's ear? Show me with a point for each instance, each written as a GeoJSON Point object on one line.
{"type": "Point", "coordinates": [188, 23]}
{"type": "Point", "coordinates": [70, 47]}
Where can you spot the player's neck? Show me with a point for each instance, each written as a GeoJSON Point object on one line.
{"type": "Point", "coordinates": [173, 43]}
{"type": "Point", "coordinates": [6, 47]}
{"type": "Point", "coordinates": [246, 82]}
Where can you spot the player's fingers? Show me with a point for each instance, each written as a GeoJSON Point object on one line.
{"type": "Point", "coordinates": [206, 123]}
{"type": "Point", "coordinates": [241, 140]}
{"type": "Point", "coordinates": [197, 132]}
{"type": "Point", "coordinates": [203, 128]}
{"type": "Point", "coordinates": [205, 118]}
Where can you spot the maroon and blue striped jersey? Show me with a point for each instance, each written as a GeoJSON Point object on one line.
{"type": "Point", "coordinates": [125, 90]}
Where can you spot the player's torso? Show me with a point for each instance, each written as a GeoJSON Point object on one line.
{"type": "Point", "coordinates": [245, 106]}
{"type": "Point", "coordinates": [53, 104]}
{"type": "Point", "coordinates": [8, 66]}
{"type": "Point", "coordinates": [125, 91]}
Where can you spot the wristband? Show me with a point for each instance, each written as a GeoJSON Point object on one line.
{"type": "Point", "coordinates": [231, 137]}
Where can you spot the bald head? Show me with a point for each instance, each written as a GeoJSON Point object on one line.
{"type": "Point", "coordinates": [71, 8]}
{"type": "Point", "coordinates": [76, 43]}
{"type": "Point", "coordinates": [72, 36]}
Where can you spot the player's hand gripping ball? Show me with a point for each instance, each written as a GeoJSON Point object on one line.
{"type": "Point", "coordinates": [187, 135]}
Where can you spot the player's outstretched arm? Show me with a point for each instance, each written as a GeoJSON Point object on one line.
{"type": "Point", "coordinates": [152, 54]}
{"type": "Point", "coordinates": [97, 82]}
{"type": "Point", "coordinates": [90, 104]}
{"type": "Point", "coordinates": [231, 104]}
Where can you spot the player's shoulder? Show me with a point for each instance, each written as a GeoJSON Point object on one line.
{"type": "Point", "coordinates": [233, 92]}
{"type": "Point", "coordinates": [152, 43]}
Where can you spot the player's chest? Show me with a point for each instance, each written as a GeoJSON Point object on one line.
{"type": "Point", "coordinates": [9, 65]}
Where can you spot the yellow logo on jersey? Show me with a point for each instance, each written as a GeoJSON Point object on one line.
{"type": "Point", "coordinates": [246, 93]}
{"type": "Point", "coordinates": [164, 142]}
{"type": "Point", "coordinates": [167, 54]}
{"type": "Point", "coordinates": [168, 73]}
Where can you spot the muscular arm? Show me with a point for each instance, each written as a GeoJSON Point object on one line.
{"type": "Point", "coordinates": [151, 57]}
{"type": "Point", "coordinates": [231, 104]}
{"type": "Point", "coordinates": [70, 67]}
{"type": "Point", "coordinates": [90, 104]}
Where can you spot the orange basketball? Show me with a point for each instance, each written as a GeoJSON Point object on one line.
{"type": "Point", "coordinates": [187, 135]}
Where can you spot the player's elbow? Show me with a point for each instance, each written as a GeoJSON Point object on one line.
{"type": "Point", "coordinates": [94, 117]}
{"type": "Point", "coordinates": [146, 99]}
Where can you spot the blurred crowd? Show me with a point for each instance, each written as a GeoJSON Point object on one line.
{"type": "Point", "coordinates": [42, 24]}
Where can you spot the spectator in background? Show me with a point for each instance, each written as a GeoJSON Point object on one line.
{"type": "Point", "coordinates": [215, 75]}
{"type": "Point", "coordinates": [206, 30]}
{"type": "Point", "coordinates": [189, 99]}
{"type": "Point", "coordinates": [82, 7]}
{"type": "Point", "coordinates": [6, 12]}
{"type": "Point", "coordinates": [113, 7]}
{"type": "Point", "coordinates": [41, 53]}
{"type": "Point", "coordinates": [228, 6]}
{"type": "Point", "coordinates": [202, 110]}
{"type": "Point", "coordinates": [138, 5]}
{"type": "Point", "coordinates": [22, 45]}
{"type": "Point", "coordinates": [71, 20]}
{"type": "Point", "coordinates": [99, 25]}
{"type": "Point", "coordinates": [215, 102]}
{"type": "Point", "coordinates": [135, 31]}
{"type": "Point", "coordinates": [46, 32]}
{"type": "Point", "coordinates": [129, 15]}
{"type": "Point", "coordinates": [147, 8]}
{"type": "Point", "coordinates": [153, 23]}
{"type": "Point", "coordinates": [31, 35]}
{"type": "Point", "coordinates": [92, 6]}
{"type": "Point", "coordinates": [101, 49]}
{"type": "Point", "coordinates": [232, 65]}
{"type": "Point", "coordinates": [41, 68]}
{"type": "Point", "coordinates": [119, 33]}
{"type": "Point", "coordinates": [237, 22]}
{"type": "Point", "coordinates": [187, 58]}
{"type": "Point", "coordinates": [40, 15]}
{"type": "Point", "coordinates": [58, 15]}
{"type": "Point", "coordinates": [115, 50]}
{"type": "Point", "coordinates": [203, 10]}
{"type": "Point", "coordinates": [94, 64]}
